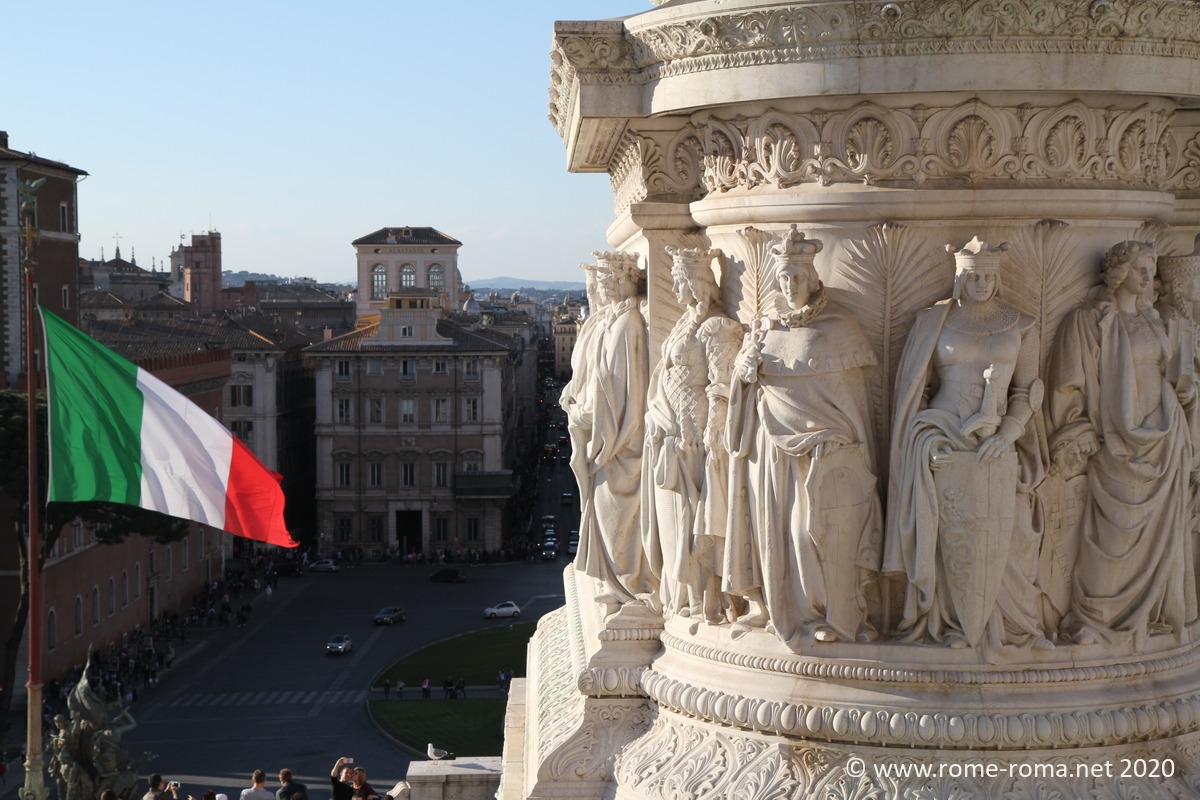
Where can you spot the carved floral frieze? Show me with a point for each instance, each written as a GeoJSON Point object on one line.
{"type": "Point", "coordinates": [683, 758]}
{"type": "Point", "coordinates": [972, 143]}
{"type": "Point", "coordinates": [805, 32]}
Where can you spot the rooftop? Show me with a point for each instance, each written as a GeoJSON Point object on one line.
{"type": "Point", "coordinates": [407, 236]}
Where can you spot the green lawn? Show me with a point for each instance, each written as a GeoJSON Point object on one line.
{"type": "Point", "coordinates": [471, 727]}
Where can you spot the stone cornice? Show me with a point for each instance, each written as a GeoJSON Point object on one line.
{"type": "Point", "coordinates": [817, 31]}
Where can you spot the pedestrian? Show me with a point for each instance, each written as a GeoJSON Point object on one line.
{"type": "Point", "coordinates": [425, 688]}
{"type": "Point", "coordinates": [399, 688]}
{"type": "Point", "coordinates": [258, 789]}
{"type": "Point", "coordinates": [340, 779]}
{"type": "Point", "coordinates": [461, 689]}
{"type": "Point", "coordinates": [290, 789]}
{"type": "Point", "coordinates": [448, 688]}
{"type": "Point", "coordinates": [387, 688]}
{"type": "Point", "coordinates": [270, 592]}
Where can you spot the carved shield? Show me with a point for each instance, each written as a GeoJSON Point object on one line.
{"type": "Point", "coordinates": [976, 502]}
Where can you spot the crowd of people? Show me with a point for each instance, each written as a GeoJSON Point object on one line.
{"type": "Point", "coordinates": [347, 782]}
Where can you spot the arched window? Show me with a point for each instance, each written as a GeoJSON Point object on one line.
{"type": "Point", "coordinates": [51, 630]}
{"type": "Point", "coordinates": [78, 615]}
{"type": "Point", "coordinates": [437, 277]}
{"type": "Point", "coordinates": [95, 605]}
{"type": "Point", "coordinates": [408, 276]}
{"type": "Point", "coordinates": [378, 282]}
{"type": "Point", "coordinates": [112, 597]}
{"type": "Point", "coordinates": [124, 588]}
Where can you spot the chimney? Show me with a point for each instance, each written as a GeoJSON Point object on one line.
{"type": "Point", "coordinates": [4, 139]}
{"type": "Point", "coordinates": [328, 334]}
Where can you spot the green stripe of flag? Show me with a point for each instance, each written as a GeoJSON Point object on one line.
{"type": "Point", "coordinates": [95, 418]}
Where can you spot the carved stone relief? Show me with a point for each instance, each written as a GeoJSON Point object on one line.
{"type": "Point", "coordinates": [972, 143]}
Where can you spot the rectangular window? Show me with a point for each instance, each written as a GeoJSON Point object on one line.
{"type": "Point", "coordinates": [343, 370]}
{"type": "Point", "coordinates": [471, 369]}
{"type": "Point", "coordinates": [439, 367]}
{"type": "Point", "coordinates": [242, 429]}
{"type": "Point", "coordinates": [375, 366]}
{"type": "Point", "coordinates": [375, 528]}
{"type": "Point", "coordinates": [343, 409]}
{"type": "Point", "coordinates": [473, 466]}
{"type": "Point", "coordinates": [408, 474]}
{"type": "Point", "coordinates": [406, 331]}
{"type": "Point", "coordinates": [471, 409]}
{"type": "Point", "coordinates": [375, 407]}
{"type": "Point", "coordinates": [66, 297]}
{"type": "Point", "coordinates": [76, 533]}
{"type": "Point", "coordinates": [473, 529]}
{"type": "Point", "coordinates": [441, 529]}
{"type": "Point", "coordinates": [441, 474]}
{"type": "Point", "coordinates": [376, 474]}
{"type": "Point", "coordinates": [408, 409]}
{"type": "Point", "coordinates": [64, 217]}
{"type": "Point", "coordinates": [441, 409]}
{"type": "Point", "coordinates": [241, 395]}
{"type": "Point", "coordinates": [408, 369]}
{"type": "Point", "coordinates": [345, 529]}
{"type": "Point", "coordinates": [343, 472]}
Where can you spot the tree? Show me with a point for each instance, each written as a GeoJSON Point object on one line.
{"type": "Point", "coordinates": [111, 523]}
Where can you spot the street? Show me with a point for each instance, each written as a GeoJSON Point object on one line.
{"type": "Point", "coordinates": [266, 696]}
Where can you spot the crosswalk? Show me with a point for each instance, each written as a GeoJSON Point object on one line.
{"type": "Point", "coordinates": [262, 698]}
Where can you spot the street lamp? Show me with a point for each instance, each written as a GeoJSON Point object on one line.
{"type": "Point", "coordinates": [35, 787]}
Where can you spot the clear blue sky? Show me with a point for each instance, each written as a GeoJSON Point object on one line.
{"type": "Point", "coordinates": [295, 127]}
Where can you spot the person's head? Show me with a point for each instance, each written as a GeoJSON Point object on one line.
{"type": "Point", "coordinates": [285, 775]}
{"type": "Point", "coordinates": [618, 276]}
{"type": "Point", "coordinates": [108, 794]}
{"type": "Point", "coordinates": [258, 777]}
{"type": "Point", "coordinates": [209, 794]}
{"type": "Point", "coordinates": [346, 775]}
{"type": "Point", "coordinates": [156, 781]}
{"type": "Point", "coordinates": [360, 776]}
{"type": "Point", "coordinates": [795, 275]}
{"type": "Point", "coordinates": [977, 270]}
{"type": "Point", "coordinates": [692, 277]}
{"type": "Point", "coordinates": [1138, 258]}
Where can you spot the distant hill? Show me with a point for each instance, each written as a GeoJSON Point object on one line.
{"type": "Point", "coordinates": [508, 284]}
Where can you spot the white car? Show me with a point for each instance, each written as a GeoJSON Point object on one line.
{"type": "Point", "coordinates": [506, 609]}
{"type": "Point", "coordinates": [339, 645]}
{"type": "Point", "coordinates": [324, 565]}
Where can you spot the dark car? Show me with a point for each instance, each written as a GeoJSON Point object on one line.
{"type": "Point", "coordinates": [549, 552]}
{"type": "Point", "coordinates": [449, 575]}
{"type": "Point", "coordinates": [284, 568]}
{"type": "Point", "coordinates": [390, 615]}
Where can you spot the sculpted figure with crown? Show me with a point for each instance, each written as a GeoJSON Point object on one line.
{"type": "Point", "coordinates": [968, 450]}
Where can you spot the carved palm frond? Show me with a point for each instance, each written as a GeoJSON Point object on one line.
{"type": "Point", "coordinates": [1047, 277]}
{"type": "Point", "coordinates": [894, 271]}
{"type": "Point", "coordinates": [752, 296]}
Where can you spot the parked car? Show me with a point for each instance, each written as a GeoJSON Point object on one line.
{"type": "Point", "coordinates": [506, 609]}
{"type": "Point", "coordinates": [449, 575]}
{"type": "Point", "coordinates": [390, 615]}
{"type": "Point", "coordinates": [339, 645]}
{"type": "Point", "coordinates": [284, 568]}
{"type": "Point", "coordinates": [324, 565]}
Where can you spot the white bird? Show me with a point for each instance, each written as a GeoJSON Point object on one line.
{"type": "Point", "coordinates": [435, 753]}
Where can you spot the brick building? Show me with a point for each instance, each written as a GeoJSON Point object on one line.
{"type": "Point", "coordinates": [57, 250]}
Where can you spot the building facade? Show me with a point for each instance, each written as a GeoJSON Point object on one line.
{"type": "Point", "coordinates": [56, 252]}
{"type": "Point", "coordinates": [402, 259]}
{"type": "Point", "coordinates": [197, 268]}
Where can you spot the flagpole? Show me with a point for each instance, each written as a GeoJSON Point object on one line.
{"type": "Point", "coordinates": [35, 787]}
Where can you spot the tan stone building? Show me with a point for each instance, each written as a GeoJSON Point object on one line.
{"type": "Point", "coordinates": [415, 409]}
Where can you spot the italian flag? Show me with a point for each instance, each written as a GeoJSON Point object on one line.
{"type": "Point", "coordinates": [120, 435]}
